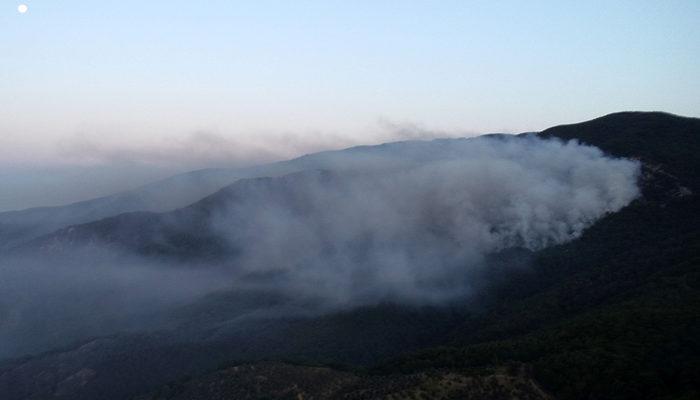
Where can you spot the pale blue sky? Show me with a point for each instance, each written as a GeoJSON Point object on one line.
{"type": "Point", "coordinates": [98, 82]}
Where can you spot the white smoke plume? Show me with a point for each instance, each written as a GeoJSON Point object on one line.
{"type": "Point", "coordinates": [409, 223]}
{"type": "Point", "coordinates": [417, 233]}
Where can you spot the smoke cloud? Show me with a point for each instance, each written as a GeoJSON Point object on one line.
{"type": "Point", "coordinates": [410, 223]}
{"type": "Point", "coordinates": [417, 234]}
{"type": "Point", "coordinates": [207, 148]}
{"type": "Point", "coordinates": [100, 162]}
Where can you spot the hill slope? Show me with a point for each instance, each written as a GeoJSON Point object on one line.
{"type": "Point", "coordinates": [614, 313]}
{"type": "Point", "coordinates": [17, 227]}
{"type": "Point", "coordinates": [610, 315]}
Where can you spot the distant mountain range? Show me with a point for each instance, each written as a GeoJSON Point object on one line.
{"type": "Point", "coordinates": [612, 314]}
{"type": "Point", "coordinates": [182, 190]}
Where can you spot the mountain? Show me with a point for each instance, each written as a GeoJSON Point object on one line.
{"type": "Point", "coordinates": [611, 314]}
{"type": "Point", "coordinates": [17, 227]}
{"type": "Point", "coordinates": [661, 140]}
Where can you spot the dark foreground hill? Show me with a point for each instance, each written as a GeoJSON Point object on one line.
{"type": "Point", "coordinates": [285, 381]}
{"type": "Point", "coordinates": [614, 313]}
{"type": "Point", "coordinates": [610, 315]}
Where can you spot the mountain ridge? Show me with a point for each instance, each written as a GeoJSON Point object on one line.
{"type": "Point", "coordinates": [610, 315]}
{"type": "Point", "coordinates": [183, 189]}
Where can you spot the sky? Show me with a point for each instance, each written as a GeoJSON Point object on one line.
{"type": "Point", "coordinates": [108, 95]}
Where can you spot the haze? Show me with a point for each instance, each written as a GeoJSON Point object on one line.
{"type": "Point", "coordinates": [410, 223]}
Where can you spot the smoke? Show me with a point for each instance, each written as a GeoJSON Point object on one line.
{"type": "Point", "coordinates": [410, 223]}
{"type": "Point", "coordinates": [46, 304]}
{"type": "Point", "coordinates": [100, 162]}
{"type": "Point", "coordinates": [207, 148]}
{"type": "Point", "coordinates": [419, 234]}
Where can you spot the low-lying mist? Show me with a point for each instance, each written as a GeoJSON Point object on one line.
{"type": "Point", "coordinates": [415, 233]}
{"type": "Point", "coordinates": [49, 303]}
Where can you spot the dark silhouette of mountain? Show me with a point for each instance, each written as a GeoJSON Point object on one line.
{"type": "Point", "coordinates": [610, 315]}
{"type": "Point", "coordinates": [659, 139]}
{"type": "Point", "coordinates": [613, 313]}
